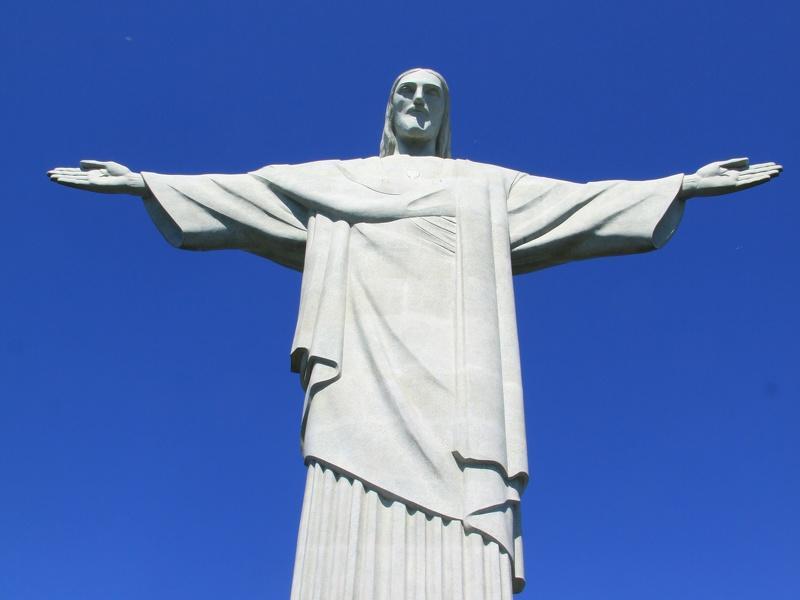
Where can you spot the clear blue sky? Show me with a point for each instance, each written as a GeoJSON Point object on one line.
{"type": "Point", "coordinates": [148, 420]}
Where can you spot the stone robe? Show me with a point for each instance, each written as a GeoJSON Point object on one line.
{"type": "Point", "coordinates": [406, 341]}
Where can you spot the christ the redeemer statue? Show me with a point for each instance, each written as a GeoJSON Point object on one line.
{"type": "Point", "coordinates": [413, 428]}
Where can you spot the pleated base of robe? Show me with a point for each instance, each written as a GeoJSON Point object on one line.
{"type": "Point", "coordinates": [354, 544]}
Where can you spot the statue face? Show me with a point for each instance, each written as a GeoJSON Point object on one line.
{"type": "Point", "coordinates": [418, 103]}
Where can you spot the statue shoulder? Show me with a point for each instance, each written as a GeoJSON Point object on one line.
{"type": "Point", "coordinates": [327, 165]}
{"type": "Point", "coordinates": [323, 175]}
{"type": "Point", "coordinates": [488, 171]}
{"type": "Point", "coordinates": [358, 168]}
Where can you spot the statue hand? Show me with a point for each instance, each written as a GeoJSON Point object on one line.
{"type": "Point", "coordinates": [728, 176]}
{"type": "Point", "coordinates": [106, 177]}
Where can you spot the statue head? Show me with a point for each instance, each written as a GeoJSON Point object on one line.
{"type": "Point", "coordinates": [418, 111]}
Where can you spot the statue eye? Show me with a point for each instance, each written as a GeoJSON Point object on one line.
{"type": "Point", "coordinates": [434, 91]}
{"type": "Point", "coordinates": [406, 89]}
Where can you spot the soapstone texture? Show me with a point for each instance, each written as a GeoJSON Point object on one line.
{"type": "Point", "coordinates": [406, 343]}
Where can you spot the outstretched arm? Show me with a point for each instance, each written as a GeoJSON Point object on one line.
{"type": "Point", "coordinates": [552, 222]}
{"type": "Point", "coordinates": [105, 177]}
{"type": "Point", "coordinates": [727, 176]}
{"type": "Point", "coordinates": [205, 212]}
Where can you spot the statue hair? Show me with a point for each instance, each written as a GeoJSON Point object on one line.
{"type": "Point", "coordinates": [389, 139]}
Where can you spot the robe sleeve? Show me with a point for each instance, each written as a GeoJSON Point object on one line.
{"type": "Point", "coordinates": [213, 212]}
{"type": "Point", "coordinates": [552, 222]}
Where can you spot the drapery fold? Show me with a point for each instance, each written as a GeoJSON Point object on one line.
{"type": "Point", "coordinates": [355, 544]}
{"type": "Point", "coordinates": [488, 398]}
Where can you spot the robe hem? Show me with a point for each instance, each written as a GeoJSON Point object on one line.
{"type": "Point", "coordinates": [518, 583]}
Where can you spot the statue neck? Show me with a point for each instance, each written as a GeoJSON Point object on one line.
{"type": "Point", "coordinates": [413, 148]}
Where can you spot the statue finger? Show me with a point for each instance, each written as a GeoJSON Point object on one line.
{"type": "Point", "coordinates": [72, 177]}
{"type": "Point", "coordinates": [76, 180]}
{"type": "Point", "coordinates": [88, 165]}
{"type": "Point", "coordinates": [771, 173]}
{"type": "Point", "coordinates": [752, 182]}
{"type": "Point", "coordinates": [748, 175]}
{"type": "Point", "coordinates": [68, 173]}
{"type": "Point", "coordinates": [766, 169]}
{"type": "Point", "coordinates": [770, 165]}
{"type": "Point", "coordinates": [735, 163]}
{"type": "Point", "coordinates": [65, 170]}
{"type": "Point", "coordinates": [80, 185]}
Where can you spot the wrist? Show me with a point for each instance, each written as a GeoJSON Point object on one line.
{"type": "Point", "coordinates": [136, 184]}
{"type": "Point", "coordinates": [690, 185]}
